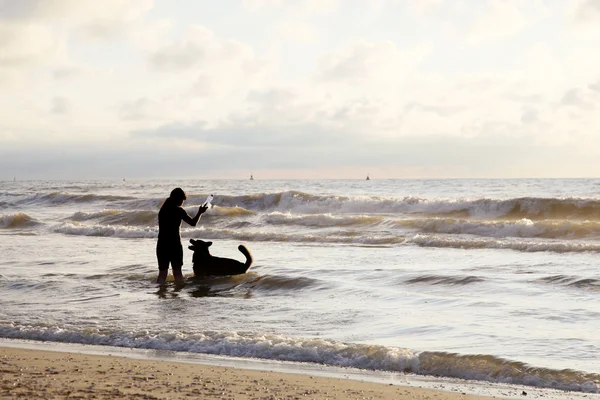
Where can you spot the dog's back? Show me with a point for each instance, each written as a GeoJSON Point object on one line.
{"type": "Point", "coordinates": [207, 264]}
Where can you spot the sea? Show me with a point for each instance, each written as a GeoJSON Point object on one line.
{"type": "Point", "coordinates": [493, 280]}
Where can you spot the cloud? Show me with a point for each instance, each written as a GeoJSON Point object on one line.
{"type": "Point", "coordinates": [200, 50]}
{"type": "Point", "coordinates": [322, 6]}
{"type": "Point", "coordinates": [478, 22]}
{"type": "Point", "coordinates": [28, 45]}
{"type": "Point", "coordinates": [503, 19]}
{"type": "Point", "coordinates": [192, 49]}
{"type": "Point", "coordinates": [530, 116]}
{"type": "Point", "coordinates": [595, 86]}
{"type": "Point", "coordinates": [28, 9]}
{"type": "Point", "coordinates": [140, 109]}
{"type": "Point", "coordinates": [262, 3]}
{"type": "Point", "coordinates": [297, 32]}
{"type": "Point", "coordinates": [374, 84]}
{"type": "Point", "coordinates": [365, 60]}
{"type": "Point", "coordinates": [440, 110]}
{"type": "Point", "coordinates": [424, 7]}
{"type": "Point", "coordinates": [212, 69]}
{"type": "Point", "coordinates": [587, 11]}
{"type": "Point", "coordinates": [306, 7]}
{"type": "Point", "coordinates": [74, 12]}
{"type": "Point", "coordinates": [60, 105]}
{"type": "Point", "coordinates": [307, 105]}
{"type": "Point", "coordinates": [66, 70]}
{"type": "Point", "coordinates": [110, 18]}
{"type": "Point", "coordinates": [39, 34]}
{"type": "Point", "coordinates": [583, 98]}
{"type": "Point", "coordinates": [272, 98]}
{"type": "Point", "coordinates": [245, 149]}
{"type": "Point", "coordinates": [244, 134]}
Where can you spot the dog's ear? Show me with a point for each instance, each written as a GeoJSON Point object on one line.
{"type": "Point", "coordinates": [208, 244]}
{"type": "Point", "coordinates": [193, 242]}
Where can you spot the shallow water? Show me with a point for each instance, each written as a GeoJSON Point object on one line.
{"type": "Point", "coordinates": [483, 279]}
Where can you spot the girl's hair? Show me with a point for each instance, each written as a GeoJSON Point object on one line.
{"type": "Point", "coordinates": [178, 194]}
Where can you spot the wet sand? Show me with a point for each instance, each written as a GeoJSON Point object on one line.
{"type": "Point", "coordinates": [40, 374]}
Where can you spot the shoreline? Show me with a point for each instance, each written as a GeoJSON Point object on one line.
{"type": "Point", "coordinates": [47, 369]}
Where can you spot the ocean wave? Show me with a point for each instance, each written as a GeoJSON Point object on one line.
{"type": "Point", "coordinates": [590, 284]}
{"type": "Point", "coordinates": [495, 369]}
{"type": "Point", "coordinates": [263, 236]}
{"type": "Point", "coordinates": [17, 221]}
{"type": "Point", "coordinates": [525, 228]}
{"type": "Point", "coordinates": [277, 283]}
{"type": "Point", "coordinates": [489, 243]}
{"type": "Point", "coordinates": [126, 232]}
{"type": "Point", "coordinates": [299, 203]}
{"type": "Point", "coordinates": [238, 217]}
{"type": "Point", "coordinates": [445, 280]}
{"type": "Point", "coordinates": [118, 217]}
{"type": "Point", "coordinates": [230, 211]}
{"type": "Point", "coordinates": [249, 284]}
{"type": "Point", "coordinates": [144, 217]}
{"type": "Point", "coordinates": [320, 220]}
{"type": "Point", "coordinates": [350, 237]}
{"type": "Point", "coordinates": [319, 351]}
{"type": "Point", "coordinates": [517, 208]}
{"type": "Point", "coordinates": [59, 198]}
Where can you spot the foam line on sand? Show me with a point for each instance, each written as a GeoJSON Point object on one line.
{"type": "Point", "coordinates": [40, 370]}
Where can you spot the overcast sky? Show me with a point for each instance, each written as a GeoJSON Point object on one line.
{"type": "Point", "coordinates": [299, 88]}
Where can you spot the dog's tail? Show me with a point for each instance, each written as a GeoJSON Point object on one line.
{"type": "Point", "coordinates": [246, 253]}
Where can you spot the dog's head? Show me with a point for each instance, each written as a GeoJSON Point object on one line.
{"type": "Point", "coordinates": [199, 246]}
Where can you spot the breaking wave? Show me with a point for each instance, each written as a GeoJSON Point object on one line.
{"type": "Point", "coordinates": [320, 351]}
{"type": "Point", "coordinates": [106, 231]}
{"type": "Point", "coordinates": [296, 202]}
{"type": "Point", "coordinates": [518, 208]}
{"type": "Point", "coordinates": [382, 238]}
{"type": "Point", "coordinates": [118, 217]}
{"type": "Point", "coordinates": [17, 221]}
{"type": "Point", "coordinates": [321, 220]}
{"type": "Point", "coordinates": [237, 217]}
{"type": "Point", "coordinates": [525, 228]}
{"type": "Point", "coordinates": [530, 246]}
{"type": "Point", "coordinates": [528, 224]}
{"type": "Point", "coordinates": [65, 198]}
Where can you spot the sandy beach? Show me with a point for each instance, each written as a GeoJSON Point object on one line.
{"type": "Point", "coordinates": [40, 374]}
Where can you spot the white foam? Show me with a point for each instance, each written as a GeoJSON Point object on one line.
{"type": "Point", "coordinates": [490, 243]}
{"type": "Point", "coordinates": [315, 350]}
{"type": "Point", "coordinates": [75, 228]}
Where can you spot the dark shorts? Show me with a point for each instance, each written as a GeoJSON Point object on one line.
{"type": "Point", "coordinates": [169, 253]}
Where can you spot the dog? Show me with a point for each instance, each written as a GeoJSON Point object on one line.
{"type": "Point", "coordinates": [206, 264]}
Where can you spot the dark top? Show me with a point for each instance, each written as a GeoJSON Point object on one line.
{"type": "Point", "coordinates": [169, 222]}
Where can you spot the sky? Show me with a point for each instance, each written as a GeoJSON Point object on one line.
{"type": "Point", "coordinates": [299, 89]}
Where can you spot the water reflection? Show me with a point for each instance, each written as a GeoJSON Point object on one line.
{"type": "Point", "coordinates": [227, 286]}
{"type": "Point", "coordinates": [240, 286]}
{"type": "Point", "coordinates": [163, 293]}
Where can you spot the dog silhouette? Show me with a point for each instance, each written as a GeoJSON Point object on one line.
{"type": "Point", "coordinates": [205, 264]}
